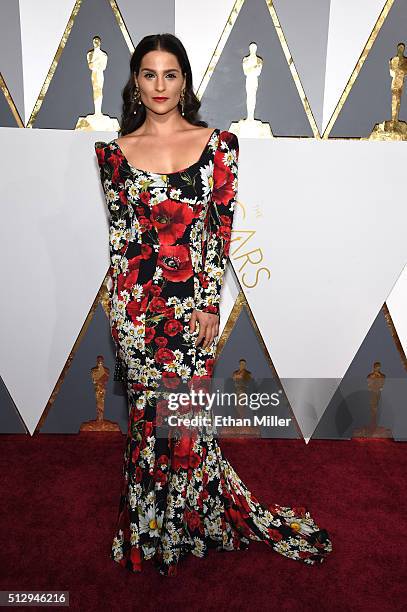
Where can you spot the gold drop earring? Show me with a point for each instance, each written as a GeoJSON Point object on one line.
{"type": "Point", "coordinates": [136, 99]}
{"type": "Point", "coordinates": [182, 101]}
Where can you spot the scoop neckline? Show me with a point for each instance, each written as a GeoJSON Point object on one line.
{"type": "Point", "coordinates": [166, 173]}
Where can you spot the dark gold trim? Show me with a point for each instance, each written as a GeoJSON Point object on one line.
{"type": "Point", "coordinates": [54, 64]}
{"type": "Point", "coordinates": [71, 355]}
{"type": "Point", "coordinates": [122, 25]}
{"type": "Point", "coordinates": [230, 323]}
{"type": "Point", "coordinates": [372, 38]}
{"type": "Point", "coordinates": [394, 334]}
{"type": "Point", "coordinates": [10, 102]}
{"type": "Point", "coordinates": [240, 303]}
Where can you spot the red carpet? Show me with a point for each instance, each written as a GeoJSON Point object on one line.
{"type": "Point", "coordinates": [60, 497]}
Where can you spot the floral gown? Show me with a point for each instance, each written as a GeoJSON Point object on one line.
{"type": "Point", "coordinates": [169, 243]}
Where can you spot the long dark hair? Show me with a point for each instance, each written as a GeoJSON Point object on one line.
{"type": "Point", "coordinates": [130, 121]}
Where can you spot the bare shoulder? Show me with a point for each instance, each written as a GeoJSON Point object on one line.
{"type": "Point", "coordinates": [207, 130]}
{"type": "Point", "coordinates": [200, 129]}
{"type": "Point", "coordinates": [210, 138]}
{"type": "Point", "coordinates": [129, 137]}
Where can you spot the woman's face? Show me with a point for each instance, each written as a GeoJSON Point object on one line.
{"type": "Point", "coordinates": [160, 75]}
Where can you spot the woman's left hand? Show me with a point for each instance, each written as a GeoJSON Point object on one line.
{"type": "Point", "coordinates": [208, 326]}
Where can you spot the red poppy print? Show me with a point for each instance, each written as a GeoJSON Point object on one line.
{"type": "Point", "coordinates": [164, 355]}
{"type": "Point", "coordinates": [172, 327]}
{"type": "Point", "coordinates": [223, 186]}
{"type": "Point", "coordinates": [170, 218]}
{"type": "Point", "coordinates": [175, 261]}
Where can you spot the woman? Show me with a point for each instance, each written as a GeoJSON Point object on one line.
{"type": "Point", "coordinates": [170, 185]}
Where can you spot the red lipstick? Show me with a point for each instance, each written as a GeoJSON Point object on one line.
{"type": "Point", "coordinates": [159, 98]}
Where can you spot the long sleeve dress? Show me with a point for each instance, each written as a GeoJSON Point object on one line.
{"type": "Point", "coordinates": [169, 244]}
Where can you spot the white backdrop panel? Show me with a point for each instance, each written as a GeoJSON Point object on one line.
{"type": "Point", "coordinates": [327, 216]}
{"type": "Point", "coordinates": [397, 305]}
{"type": "Point", "coordinates": [330, 220]}
{"type": "Point", "coordinates": [54, 248]}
